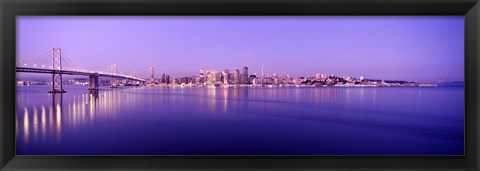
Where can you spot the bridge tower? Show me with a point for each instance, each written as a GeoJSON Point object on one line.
{"type": "Point", "coordinates": [57, 86]}
{"type": "Point", "coordinates": [113, 81]}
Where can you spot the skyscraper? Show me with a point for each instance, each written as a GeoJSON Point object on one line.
{"type": "Point", "coordinates": [218, 78]}
{"type": "Point", "coordinates": [210, 79]}
{"type": "Point", "coordinates": [236, 77]}
{"type": "Point", "coordinates": [245, 79]}
{"type": "Point", "coordinates": [252, 78]}
{"type": "Point", "coordinates": [167, 79]}
{"type": "Point", "coordinates": [152, 74]}
{"type": "Point", "coordinates": [240, 76]}
{"type": "Point", "coordinates": [263, 77]}
{"type": "Point", "coordinates": [162, 78]}
{"type": "Point", "coordinates": [230, 80]}
{"type": "Point", "coordinates": [226, 76]}
{"type": "Point", "coordinates": [202, 76]}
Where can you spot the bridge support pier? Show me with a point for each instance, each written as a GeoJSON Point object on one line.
{"type": "Point", "coordinates": [93, 82]}
{"type": "Point", "coordinates": [57, 85]}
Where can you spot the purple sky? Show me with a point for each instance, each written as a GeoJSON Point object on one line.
{"type": "Point", "coordinates": [413, 48]}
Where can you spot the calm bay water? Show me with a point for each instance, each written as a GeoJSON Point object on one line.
{"type": "Point", "coordinates": [241, 121]}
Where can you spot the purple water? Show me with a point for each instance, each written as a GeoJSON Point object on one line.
{"type": "Point", "coordinates": [241, 121]}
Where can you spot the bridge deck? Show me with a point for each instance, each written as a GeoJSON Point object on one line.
{"type": "Point", "coordinates": [68, 72]}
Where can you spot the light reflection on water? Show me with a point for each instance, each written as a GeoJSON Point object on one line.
{"type": "Point", "coordinates": [35, 122]}
{"type": "Point", "coordinates": [26, 126]}
{"type": "Point", "coordinates": [161, 120]}
{"type": "Point", "coordinates": [44, 124]}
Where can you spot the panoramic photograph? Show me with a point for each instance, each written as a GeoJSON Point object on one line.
{"type": "Point", "coordinates": [240, 85]}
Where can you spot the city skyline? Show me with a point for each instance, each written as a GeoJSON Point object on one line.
{"type": "Point", "coordinates": [410, 48]}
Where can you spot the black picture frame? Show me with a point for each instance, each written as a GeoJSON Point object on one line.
{"type": "Point", "coordinates": [11, 8]}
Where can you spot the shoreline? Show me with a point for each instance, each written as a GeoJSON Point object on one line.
{"type": "Point", "coordinates": [256, 86]}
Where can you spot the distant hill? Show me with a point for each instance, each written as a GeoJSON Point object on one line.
{"type": "Point", "coordinates": [389, 81]}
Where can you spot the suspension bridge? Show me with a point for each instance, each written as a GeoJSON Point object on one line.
{"type": "Point", "coordinates": [56, 63]}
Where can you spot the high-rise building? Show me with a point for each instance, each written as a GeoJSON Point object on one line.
{"type": "Point", "coordinates": [167, 79]}
{"type": "Point", "coordinates": [218, 78]}
{"type": "Point", "coordinates": [318, 76]}
{"type": "Point", "coordinates": [252, 78]}
{"type": "Point", "coordinates": [236, 76]}
{"type": "Point", "coordinates": [361, 78]}
{"type": "Point", "coordinates": [348, 78]}
{"type": "Point", "coordinates": [245, 79]}
{"type": "Point", "coordinates": [162, 78]}
{"type": "Point", "coordinates": [226, 76]}
{"type": "Point", "coordinates": [263, 77]}
{"type": "Point", "coordinates": [230, 80]}
{"type": "Point", "coordinates": [194, 79]}
{"type": "Point", "coordinates": [202, 76]}
{"type": "Point", "coordinates": [240, 76]}
{"type": "Point", "coordinates": [210, 79]}
{"type": "Point", "coordinates": [185, 80]}
{"type": "Point", "coordinates": [152, 74]}
{"type": "Point", "coordinates": [323, 76]}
